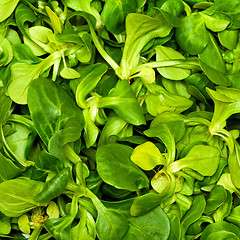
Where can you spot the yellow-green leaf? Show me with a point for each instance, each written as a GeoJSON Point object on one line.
{"type": "Point", "coordinates": [56, 24]}
{"type": "Point", "coordinates": [6, 8]}
{"type": "Point", "coordinates": [147, 156]}
{"type": "Point", "coordinates": [24, 224]}
{"type": "Point", "coordinates": [69, 73]}
{"type": "Point", "coordinates": [147, 74]}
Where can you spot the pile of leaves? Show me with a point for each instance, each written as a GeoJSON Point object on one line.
{"type": "Point", "coordinates": [119, 119]}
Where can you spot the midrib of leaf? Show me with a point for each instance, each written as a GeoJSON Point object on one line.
{"type": "Point", "coordinates": [195, 28]}
{"type": "Point", "coordinates": [141, 230]}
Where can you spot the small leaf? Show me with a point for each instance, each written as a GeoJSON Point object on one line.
{"type": "Point", "coordinates": [147, 156]}
{"type": "Point", "coordinates": [147, 74]}
{"type": "Point", "coordinates": [69, 73]}
{"type": "Point", "coordinates": [24, 224]}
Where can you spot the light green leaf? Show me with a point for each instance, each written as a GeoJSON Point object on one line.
{"type": "Point", "coordinates": [140, 30]}
{"type": "Point", "coordinates": [201, 158]}
{"type": "Point", "coordinates": [69, 73]}
{"type": "Point", "coordinates": [6, 8]}
{"type": "Point", "coordinates": [173, 73]}
{"type": "Point", "coordinates": [122, 100]}
{"type": "Point", "coordinates": [147, 156]}
{"type": "Point", "coordinates": [56, 24]}
{"type": "Point", "coordinates": [23, 74]}
{"type": "Point", "coordinates": [215, 24]}
{"type": "Point", "coordinates": [18, 196]}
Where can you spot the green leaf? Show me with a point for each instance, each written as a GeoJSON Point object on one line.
{"type": "Point", "coordinates": [56, 24]}
{"type": "Point", "coordinates": [194, 213]}
{"type": "Point", "coordinates": [110, 225]}
{"type": "Point", "coordinates": [115, 167]}
{"type": "Point", "coordinates": [113, 126]}
{"type": "Point", "coordinates": [85, 6]}
{"type": "Point", "coordinates": [6, 8]}
{"type": "Point", "coordinates": [212, 57]}
{"type": "Point", "coordinates": [201, 158]}
{"type": "Point", "coordinates": [59, 227]}
{"type": "Point", "coordinates": [90, 77]}
{"type": "Point", "coordinates": [69, 73]}
{"type": "Point", "coordinates": [159, 100]}
{"type": "Point", "coordinates": [215, 24]}
{"type": "Point", "coordinates": [147, 156]}
{"type": "Point", "coordinates": [18, 196]}
{"type": "Point", "coordinates": [226, 103]}
{"type": "Point", "coordinates": [24, 14]}
{"type": "Point", "coordinates": [234, 164]}
{"type": "Point", "coordinates": [8, 169]}
{"type": "Point", "coordinates": [140, 29]}
{"type": "Point", "coordinates": [169, 133]}
{"type": "Point", "coordinates": [5, 224]}
{"type": "Point", "coordinates": [54, 187]}
{"type": "Point", "coordinates": [22, 75]}
{"type": "Point", "coordinates": [53, 109]}
{"type": "Point", "coordinates": [5, 105]}
{"type": "Point", "coordinates": [215, 199]}
{"type": "Point", "coordinates": [6, 52]}
{"type": "Point", "coordinates": [192, 35]}
{"type": "Point", "coordinates": [145, 203]}
{"type": "Point", "coordinates": [122, 100]}
{"type": "Point", "coordinates": [48, 162]}
{"type": "Point", "coordinates": [228, 38]}
{"type": "Point", "coordinates": [153, 225]}
{"type": "Point", "coordinates": [23, 53]}
{"type": "Point", "coordinates": [221, 230]}
{"type": "Point", "coordinates": [173, 73]}
{"type": "Point", "coordinates": [234, 216]}
{"type": "Point", "coordinates": [115, 12]}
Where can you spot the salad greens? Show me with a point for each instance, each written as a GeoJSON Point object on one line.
{"type": "Point", "coordinates": [119, 119]}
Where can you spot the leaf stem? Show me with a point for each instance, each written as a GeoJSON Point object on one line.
{"type": "Point", "coordinates": [36, 232]}
{"type": "Point", "coordinates": [179, 63]}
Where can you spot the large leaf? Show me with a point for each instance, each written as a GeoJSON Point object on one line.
{"type": "Point", "coordinates": [115, 167]}
{"type": "Point", "coordinates": [212, 56]}
{"type": "Point", "coordinates": [110, 225]}
{"type": "Point", "coordinates": [53, 109]}
{"type": "Point", "coordinates": [153, 225]}
{"type": "Point", "coordinates": [140, 30]}
{"type": "Point", "coordinates": [201, 158]}
{"type": "Point", "coordinates": [23, 74]}
{"type": "Point", "coordinates": [18, 196]}
{"type": "Point", "coordinates": [6, 8]}
{"type": "Point", "coordinates": [222, 230]}
{"type": "Point", "coordinates": [192, 35]}
{"type": "Point", "coordinates": [24, 14]}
